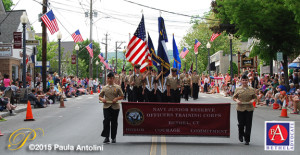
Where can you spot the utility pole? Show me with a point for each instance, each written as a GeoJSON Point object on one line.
{"type": "Point", "coordinates": [118, 47]}
{"type": "Point", "coordinates": [91, 39]}
{"type": "Point", "coordinates": [44, 48]}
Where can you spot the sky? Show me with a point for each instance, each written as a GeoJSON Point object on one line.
{"type": "Point", "coordinates": [117, 18]}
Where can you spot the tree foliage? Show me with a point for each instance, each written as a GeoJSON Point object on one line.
{"type": "Point", "coordinates": [202, 32]}
{"type": "Point", "coordinates": [7, 4]}
{"type": "Point", "coordinates": [84, 58]}
{"type": "Point", "coordinates": [272, 23]}
{"type": "Point", "coordinates": [235, 69]}
{"type": "Point", "coordinates": [52, 53]}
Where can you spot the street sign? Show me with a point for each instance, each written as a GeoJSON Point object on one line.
{"type": "Point", "coordinates": [279, 56]}
{"type": "Point", "coordinates": [32, 42]}
{"type": "Point", "coordinates": [17, 40]}
{"type": "Point", "coordinates": [6, 50]}
{"type": "Point", "coordinates": [39, 64]}
{"type": "Point", "coordinates": [73, 59]}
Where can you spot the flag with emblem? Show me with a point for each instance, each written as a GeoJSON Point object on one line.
{"type": "Point", "coordinates": [162, 48]}
{"type": "Point", "coordinates": [50, 22]}
{"type": "Point", "coordinates": [177, 61]}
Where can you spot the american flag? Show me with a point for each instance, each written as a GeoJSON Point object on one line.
{"type": "Point", "coordinates": [214, 36]}
{"type": "Point", "coordinates": [137, 51]}
{"type": "Point", "coordinates": [77, 36]}
{"type": "Point", "coordinates": [50, 21]}
{"type": "Point", "coordinates": [197, 44]}
{"type": "Point", "coordinates": [90, 49]}
{"type": "Point", "coordinates": [101, 57]}
{"type": "Point", "coordinates": [184, 52]}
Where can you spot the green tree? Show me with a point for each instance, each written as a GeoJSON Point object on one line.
{"type": "Point", "coordinates": [52, 53]}
{"type": "Point", "coordinates": [202, 32]}
{"type": "Point", "coordinates": [7, 4]}
{"type": "Point", "coordinates": [84, 55]}
{"type": "Point", "coordinates": [273, 24]}
{"type": "Point", "coordinates": [235, 69]}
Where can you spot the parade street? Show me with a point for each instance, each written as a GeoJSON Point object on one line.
{"type": "Point", "coordinates": [80, 123]}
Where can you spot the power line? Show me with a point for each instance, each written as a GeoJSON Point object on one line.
{"type": "Point", "coordinates": [168, 11]}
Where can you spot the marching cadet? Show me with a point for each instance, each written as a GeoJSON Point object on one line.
{"type": "Point", "coordinates": [123, 82]}
{"type": "Point", "coordinates": [148, 87]}
{"type": "Point", "coordinates": [129, 88]}
{"type": "Point", "coordinates": [117, 79]}
{"type": "Point", "coordinates": [187, 83]}
{"type": "Point", "coordinates": [195, 81]}
{"type": "Point", "coordinates": [244, 96]}
{"type": "Point", "coordinates": [136, 81]}
{"type": "Point", "coordinates": [161, 93]}
{"type": "Point", "coordinates": [173, 87]}
{"type": "Point", "coordinates": [110, 95]}
{"type": "Point", "coordinates": [182, 75]}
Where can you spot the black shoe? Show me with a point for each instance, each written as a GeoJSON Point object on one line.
{"type": "Point", "coordinates": [246, 143]}
{"type": "Point", "coordinates": [241, 138]}
{"type": "Point", "coordinates": [106, 140]}
{"type": "Point", "coordinates": [113, 140]}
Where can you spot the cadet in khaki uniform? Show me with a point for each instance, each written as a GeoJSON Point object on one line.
{"type": "Point", "coordinates": [244, 96]}
{"type": "Point", "coordinates": [182, 75]}
{"type": "Point", "coordinates": [186, 82]}
{"type": "Point", "coordinates": [195, 81]}
{"type": "Point", "coordinates": [117, 79]}
{"type": "Point", "coordinates": [136, 80]}
{"type": "Point", "coordinates": [109, 95]}
{"type": "Point", "coordinates": [148, 86]}
{"type": "Point", "coordinates": [129, 88]}
{"type": "Point", "coordinates": [173, 87]}
{"type": "Point", "coordinates": [123, 82]}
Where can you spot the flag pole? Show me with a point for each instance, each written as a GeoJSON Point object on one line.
{"type": "Point", "coordinates": [162, 77]}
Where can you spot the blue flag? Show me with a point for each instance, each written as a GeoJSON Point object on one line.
{"type": "Point", "coordinates": [162, 48]}
{"type": "Point", "coordinates": [154, 57]}
{"type": "Point", "coordinates": [177, 61]}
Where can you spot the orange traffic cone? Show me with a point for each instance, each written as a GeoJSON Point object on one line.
{"type": "Point", "coordinates": [284, 113]}
{"type": "Point", "coordinates": [92, 93]}
{"type": "Point", "coordinates": [254, 104]}
{"type": "Point", "coordinates": [218, 90]}
{"type": "Point", "coordinates": [29, 116]}
{"type": "Point", "coordinates": [275, 105]}
{"type": "Point", "coordinates": [1, 133]}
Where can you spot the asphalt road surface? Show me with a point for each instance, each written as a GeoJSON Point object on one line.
{"type": "Point", "coordinates": [80, 124]}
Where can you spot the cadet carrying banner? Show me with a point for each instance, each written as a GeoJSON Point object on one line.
{"type": "Point", "coordinates": [140, 118]}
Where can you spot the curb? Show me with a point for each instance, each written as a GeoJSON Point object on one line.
{"type": "Point", "coordinates": [15, 111]}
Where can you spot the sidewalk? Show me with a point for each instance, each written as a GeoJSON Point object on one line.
{"type": "Point", "coordinates": [20, 108]}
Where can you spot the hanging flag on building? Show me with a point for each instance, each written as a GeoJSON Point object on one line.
{"type": "Point", "coordinates": [214, 36]}
{"type": "Point", "coordinates": [90, 49]}
{"type": "Point", "coordinates": [197, 44]}
{"type": "Point", "coordinates": [136, 52]}
{"type": "Point", "coordinates": [77, 36]}
{"type": "Point", "coordinates": [162, 48]}
{"type": "Point", "coordinates": [177, 61]}
{"type": "Point", "coordinates": [50, 22]}
{"type": "Point", "coordinates": [184, 52]}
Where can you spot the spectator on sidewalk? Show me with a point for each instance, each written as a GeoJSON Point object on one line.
{"type": "Point", "coordinates": [5, 102]}
{"type": "Point", "coordinates": [296, 102]}
{"type": "Point", "coordinates": [6, 81]}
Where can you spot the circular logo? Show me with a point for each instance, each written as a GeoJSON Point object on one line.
{"type": "Point", "coordinates": [278, 134]}
{"type": "Point", "coordinates": [134, 116]}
